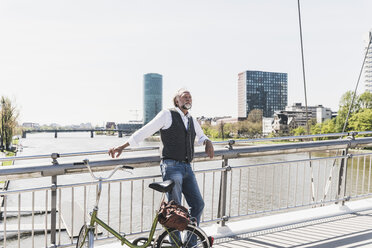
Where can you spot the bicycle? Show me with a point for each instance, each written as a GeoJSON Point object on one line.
{"type": "Point", "coordinates": [168, 237]}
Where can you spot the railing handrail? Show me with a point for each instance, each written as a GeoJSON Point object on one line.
{"type": "Point", "coordinates": [145, 161]}
{"type": "Point", "coordinates": [100, 152]}
{"type": "Point", "coordinates": [312, 136]}
{"type": "Point", "coordinates": [107, 181]}
{"type": "Point", "coordinates": [74, 154]}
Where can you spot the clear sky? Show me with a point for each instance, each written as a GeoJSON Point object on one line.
{"type": "Point", "coordinates": [74, 61]}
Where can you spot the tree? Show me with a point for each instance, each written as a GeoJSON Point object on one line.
{"type": "Point", "coordinates": [9, 115]}
{"type": "Point", "coordinates": [329, 126]}
{"type": "Point", "coordinates": [255, 116]}
{"type": "Point", "coordinates": [361, 121]}
{"type": "Point", "coordinates": [316, 129]}
{"type": "Point", "coordinates": [344, 107]}
{"type": "Point", "coordinates": [298, 131]}
{"type": "Point", "coordinates": [365, 100]}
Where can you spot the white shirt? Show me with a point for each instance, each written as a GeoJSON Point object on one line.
{"type": "Point", "coordinates": [163, 120]}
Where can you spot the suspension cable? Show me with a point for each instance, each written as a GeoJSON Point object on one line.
{"type": "Point", "coordinates": [357, 84]}
{"type": "Point", "coordinates": [307, 115]}
{"type": "Point", "coordinates": [303, 66]}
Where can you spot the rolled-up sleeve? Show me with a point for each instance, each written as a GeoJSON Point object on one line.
{"type": "Point", "coordinates": [199, 132]}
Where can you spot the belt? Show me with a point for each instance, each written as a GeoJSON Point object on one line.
{"type": "Point", "coordinates": [181, 161]}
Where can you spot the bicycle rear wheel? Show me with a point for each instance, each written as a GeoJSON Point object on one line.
{"type": "Point", "coordinates": [192, 236]}
{"type": "Point", "coordinates": [85, 238]}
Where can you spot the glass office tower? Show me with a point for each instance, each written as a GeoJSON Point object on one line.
{"type": "Point", "coordinates": [262, 90]}
{"type": "Point", "coordinates": [152, 96]}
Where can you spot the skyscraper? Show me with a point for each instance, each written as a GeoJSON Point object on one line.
{"type": "Point", "coordinates": [261, 90]}
{"type": "Point", "coordinates": [368, 63]}
{"type": "Point", "coordinates": [152, 96]}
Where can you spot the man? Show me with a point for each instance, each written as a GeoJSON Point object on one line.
{"type": "Point", "coordinates": [178, 130]}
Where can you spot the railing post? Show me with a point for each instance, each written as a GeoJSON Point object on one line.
{"type": "Point", "coordinates": [223, 186]}
{"type": "Point", "coordinates": [223, 193]}
{"type": "Point", "coordinates": [53, 214]}
{"type": "Point", "coordinates": [342, 177]}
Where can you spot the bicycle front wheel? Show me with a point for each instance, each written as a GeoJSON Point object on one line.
{"type": "Point", "coordinates": [192, 236]}
{"type": "Point", "coordinates": [85, 238]}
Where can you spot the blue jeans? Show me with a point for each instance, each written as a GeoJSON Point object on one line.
{"type": "Point", "coordinates": [185, 182]}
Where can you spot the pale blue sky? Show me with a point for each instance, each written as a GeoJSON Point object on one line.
{"type": "Point", "coordinates": [75, 61]}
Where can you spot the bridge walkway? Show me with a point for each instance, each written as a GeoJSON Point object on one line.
{"type": "Point", "coordinates": [350, 230]}
{"type": "Point", "coordinates": [323, 227]}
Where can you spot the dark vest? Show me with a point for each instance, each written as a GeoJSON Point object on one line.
{"type": "Point", "coordinates": [178, 143]}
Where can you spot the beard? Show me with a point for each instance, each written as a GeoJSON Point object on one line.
{"type": "Point", "coordinates": [187, 106]}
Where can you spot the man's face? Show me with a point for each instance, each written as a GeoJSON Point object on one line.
{"type": "Point", "coordinates": [185, 100]}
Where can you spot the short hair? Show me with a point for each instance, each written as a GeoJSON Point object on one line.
{"type": "Point", "coordinates": [178, 94]}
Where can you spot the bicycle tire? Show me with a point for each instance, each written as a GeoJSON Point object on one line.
{"type": "Point", "coordinates": [164, 238]}
{"type": "Point", "coordinates": [85, 238]}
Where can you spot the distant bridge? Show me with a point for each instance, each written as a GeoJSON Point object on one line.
{"type": "Point", "coordinates": [56, 131]}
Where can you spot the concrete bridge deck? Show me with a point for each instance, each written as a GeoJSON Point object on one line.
{"type": "Point", "coordinates": [350, 230]}
{"type": "Point", "coordinates": [322, 227]}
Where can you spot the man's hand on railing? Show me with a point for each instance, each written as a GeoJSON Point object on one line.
{"type": "Point", "coordinates": [117, 150]}
{"type": "Point", "coordinates": [209, 149]}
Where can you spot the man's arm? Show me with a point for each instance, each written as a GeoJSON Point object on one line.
{"type": "Point", "coordinates": [203, 139]}
{"type": "Point", "coordinates": [149, 129]}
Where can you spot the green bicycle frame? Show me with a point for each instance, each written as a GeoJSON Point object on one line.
{"type": "Point", "coordinates": [95, 220]}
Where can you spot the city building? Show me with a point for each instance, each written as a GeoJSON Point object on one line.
{"type": "Point", "coordinates": [323, 114]}
{"type": "Point", "coordinates": [110, 125]}
{"type": "Point", "coordinates": [87, 125]}
{"type": "Point", "coordinates": [368, 63]}
{"type": "Point", "coordinates": [152, 96]}
{"type": "Point", "coordinates": [267, 91]}
{"type": "Point", "coordinates": [295, 116]}
{"type": "Point", "coordinates": [131, 126]}
{"type": "Point", "coordinates": [31, 125]}
{"type": "Point", "coordinates": [283, 123]}
{"type": "Point", "coordinates": [317, 112]}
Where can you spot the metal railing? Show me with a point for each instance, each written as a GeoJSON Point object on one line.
{"type": "Point", "coordinates": [239, 182]}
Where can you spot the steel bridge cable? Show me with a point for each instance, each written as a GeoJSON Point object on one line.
{"type": "Point", "coordinates": [329, 181]}
{"type": "Point", "coordinates": [357, 84]}
{"type": "Point", "coordinates": [303, 65]}
{"type": "Point", "coordinates": [307, 115]}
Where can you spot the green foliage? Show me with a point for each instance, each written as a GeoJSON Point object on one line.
{"type": "Point", "coordinates": [365, 100]}
{"type": "Point", "coordinates": [360, 118]}
{"type": "Point", "coordinates": [316, 129]}
{"type": "Point", "coordinates": [8, 122]}
{"type": "Point", "coordinates": [10, 162]}
{"type": "Point", "coordinates": [210, 131]}
{"type": "Point", "coordinates": [361, 121]}
{"type": "Point", "coordinates": [298, 131]}
{"type": "Point", "coordinates": [241, 129]}
{"type": "Point", "coordinates": [329, 126]}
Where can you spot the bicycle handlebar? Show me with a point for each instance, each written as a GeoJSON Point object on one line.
{"type": "Point", "coordinates": [86, 163]}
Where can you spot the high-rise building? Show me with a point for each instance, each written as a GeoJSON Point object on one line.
{"type": "Point", "coordinates": [152, 96]}
{"type": "Point", "coordinates": [368, 63]}
{"type": "Point", "coordinates": [261, 90]}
